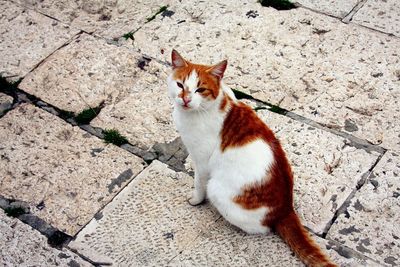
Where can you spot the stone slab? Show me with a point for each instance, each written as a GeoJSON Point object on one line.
{"type": "Point", "coordinates": [64, 173]}
{"type": "Point", "coordinates": [371, 223]}
{"type": "Point", "coordinates": [144, 114]}
{"type": "Point", "coordinates": [20, 245]}
{"type": "Point", "coordinates": [224, 245]}
{"type": "Point", "coordinates": [83, 74]}
{"type": "Point", "coordinates": [331, 7]}
{"type": "Point", "coordinates": [341, 75]}
{"type": "Point", "coordinates": [326, 169]}
{"type": "Point", "coordinates": [380, 15]}
{"type": "Point", "coordinates": [110, 19]}
{"type": "Point", "coordinates": [148, 223]}
{"type": "Point", "coordinates": [26, 38]}
{"type": "Point", "coordinates": [5, 103]}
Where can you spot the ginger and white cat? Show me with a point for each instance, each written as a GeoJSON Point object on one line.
{"type": "Point", "coordinates": [239, 164]}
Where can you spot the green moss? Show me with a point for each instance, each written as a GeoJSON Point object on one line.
{"type": "Point", "coordinates": [278, 4]}
{"type": "Point", "coordinates": [161, 10]}
{"type": "Point", "coordinates": [128, 35]}
{"type": "Point", "coordinates": [87, 115]}
{"type": "Point", "coordinates": [14, 211]}
{"type": "Point", "coordinates": [114, 137]}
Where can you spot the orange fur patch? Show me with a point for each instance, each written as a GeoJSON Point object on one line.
{"type": "Point", "coordinates": [206, 80]}
{"type": "Point", "coordinates": [226, 100]}
{"type": "Point", "coordinates": [242, 126]}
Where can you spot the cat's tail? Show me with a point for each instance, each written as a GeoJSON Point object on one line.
{"type": "Point", "coordinates": [296, 236]}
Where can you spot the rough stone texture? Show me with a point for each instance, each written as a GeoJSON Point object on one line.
{"type": "Point", "coordinates": [225, 244]}
{"type": "Point", "coordinates": [67, 175]}
{"type": "Point", "coordinates": [148, 223]}
{"type": "Point", "coordinates": [371, 223]}
{"type": "Point", "coordinates": [331, 7]}
{"type": "Point", "coordinates": [143, 115]}
{"type": "Point", "coordinates": [380, 15]}
{"type": "Point", "coordinates": [26, 38]}
{"type": "Point", "coordinates": [84, 74]}
{"type": "Point", "coordinates": [326, 168]}
{"type": "Point", "coordinates": [108, 18]}
{"type": "Point", "coordinates": [312, 64]}
{"type": "Point", "coordinates": [20, 245]}
{"type": "Point", "coordinates": [5, 103]}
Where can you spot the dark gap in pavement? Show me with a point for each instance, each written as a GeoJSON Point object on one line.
{"type": "Point", "coordinates": [21, 210]}
{"type": "Point", "coordinates": [353, 11]}
{"type": "Point", "coordinates": [351, 140]}
{"type": "Point", "coordinates": [8, 88]}
{"type": "Point", "coordinates": [343, 208]}
{"type": "Point", "coordinates": [279, 4]}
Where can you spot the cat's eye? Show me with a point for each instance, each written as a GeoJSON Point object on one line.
{"type": "Point", "coordinates": [200, 90]}
{"type": "Point", "coordinates": [179, 84]}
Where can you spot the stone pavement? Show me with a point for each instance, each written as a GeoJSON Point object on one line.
{"type": "Point", "coordinates": [325, 76]}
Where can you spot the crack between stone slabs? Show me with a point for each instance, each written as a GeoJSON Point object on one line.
{"type": "Point", "coordinates": [343, 208]}
{"type": "Point", "coordinates": [320, 12]}
{"type": "Point", "coordinates": [9, 89]}
{"type": "Point", "coordinates": [52, 53]}
{"type": "Point", "coordinates": [352, 12]}
{"type": "Point", "coordinates": [56, 238]}
{"type": "Point", "coordinates": [85, 258]}
{"type": "Point", "coordinates": [130, 34]}
{"type": "Point", "coordinates": [146, 155]}
{"type": "Point", "coordinates": [376, 30]}
{"type": "Point", "coordinates": [353, 140]}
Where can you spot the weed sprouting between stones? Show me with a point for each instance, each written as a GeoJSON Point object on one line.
{"type": "Point", "coordinates": [129, 35]}
{"type": "Point", "coordinates": [278, 4]}
{"type": "Point", "coordinates": [114, 137]}
{"type": "Point", "coordinates": [87, 115]}
{"type": "Point", "coordinates": [14, 211]}
{"type": "Point", "coordinates": [161, 10]}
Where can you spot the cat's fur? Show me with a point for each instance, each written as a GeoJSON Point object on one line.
{"type": "Point", "coordinates": [238, 162]}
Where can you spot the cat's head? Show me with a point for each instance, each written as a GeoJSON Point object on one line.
{"type": "Point", "coordinates": [192, 86]}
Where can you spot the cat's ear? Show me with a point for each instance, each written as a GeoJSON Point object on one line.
{"type": "Point", "coordinates": [219, 69]}
{"type": "Point", "coordinates": [177, 60]}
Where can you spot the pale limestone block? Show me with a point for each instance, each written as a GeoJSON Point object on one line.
{"type": "Point", "coordinates": [148, 223]}
{"type": "Point", "coordinates": [380, 15]}
{"type": "Point", "coordinates": [110, 19]}
{"type": "Point", "coordinates": [84, 74]}
{"type": "Point", "coordinates": [20, 245]}
{"type": "Point", "coordinates": [334, 73]}
{"type": "Point", "coordinates": [337, 8]}
{"type": "Point", "coordinates": [225, 245]}
{"type": "Point", "coordinates": [27, 38]}
{"type": "Point", "coordinates": [70, 172]}
{"type": "Point", "coordinates": [326, 169]}
{"type": "Point", "coordinates": [144, 114]}
{"type": "Point", "coordinates": [371, 223]}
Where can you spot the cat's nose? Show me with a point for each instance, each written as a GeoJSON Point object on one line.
{"type": "Point", "coordinates": [186, 100]}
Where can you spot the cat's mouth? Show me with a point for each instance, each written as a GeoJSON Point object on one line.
{"type": "Point", "coordinates": [186, 107]}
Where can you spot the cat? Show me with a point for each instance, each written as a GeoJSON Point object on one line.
{"type": "Point", "coordinates": [239, 164]}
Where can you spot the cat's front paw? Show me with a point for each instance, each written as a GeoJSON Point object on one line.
{"type": "Point", "coordinates": [195, 200]}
